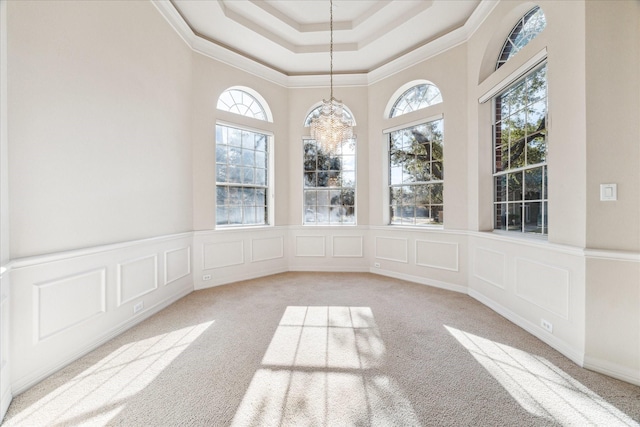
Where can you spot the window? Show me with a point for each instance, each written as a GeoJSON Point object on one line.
{"type": "Point", "coordinates": [527, 28]}
{"type": "Point", "coordinates": [242, 159]}
{"type": "Point", "coordinates": [329, 184]}
{"type": "Point", "coordinates": [241, 102]}
{"type": "Point", "coordinates": [520, 155]}
{"type": "Point", "coordinates": [415, 98]}
{"type": "Point", "coordinates": [346, 114]}
{"type": "Point", "coordinates": [416, 174]}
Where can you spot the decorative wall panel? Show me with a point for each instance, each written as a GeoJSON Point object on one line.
{"type": "Point", "coordinates": [267, 248]}
{"type": "Point", "coordinates": [544, 285]}
{"type": "Point", "coordinates": [137, 277]}
{"type": "Point", "coordinates": [442, 255]}
{"type": "Point", "coordinates": [63, 303]}
{"type": "Point", "coordinates": [348, 246]}
{"type": "Point", "coordinates": [177, 264]}
{"type": "Point", "coordinates": [223, 254]}
{"type": "Point", "coordinates": [489, 266]}
{"type": "Point", "coordinates": [392, 249]}
{"type": "Point", "coordinates": [310, 246]}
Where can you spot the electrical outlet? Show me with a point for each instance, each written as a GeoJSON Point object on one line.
{"type": "Point", "coordinates": [139, 306]}
{"type": "Point", "coordinates": [206, 277]}
{"type": "Point", "coordinates": [547, 325]}
{"type": "Point", "coordinates": [376, 265]}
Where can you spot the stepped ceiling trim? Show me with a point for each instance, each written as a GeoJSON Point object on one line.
{"type": "Point", "coordinates": [284, 41]}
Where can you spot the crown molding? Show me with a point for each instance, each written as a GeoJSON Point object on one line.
{"type": "Point", "coordinates": [227, 56]}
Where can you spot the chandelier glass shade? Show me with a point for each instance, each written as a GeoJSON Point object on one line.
{"type": "Point", "coordinates": [331, 126]}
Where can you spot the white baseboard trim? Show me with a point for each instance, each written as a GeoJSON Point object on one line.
{"type": "Point", "coordinates": [23, 384]}
{"type": "Point", "coordinates": [240, 278]}
{"type": "Point", "coordinates": [551, 340]}
{"type": "Point", "coordinates": [612, 369]}
{"type": "Point", "coordinates": [5, 402]}
{"type": "Point", "coordinates": [329, 269]}
{"type": "Point", "coordinates": [420, 280]}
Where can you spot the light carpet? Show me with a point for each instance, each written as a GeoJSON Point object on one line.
{"type": "Point", "coordinates": [326, 349]}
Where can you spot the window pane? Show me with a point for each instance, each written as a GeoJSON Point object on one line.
{"type": "Point", "coordinates": [240, 102]}
{"type": "Point", "coordinates": [500, 216]}
{"type": "Point", "coordinates": [242, 202]}
{"type": "Point", "coordinates": [533, 184]}
{"type": "Point", "coordinates": [416, 98]}
{"type": "Point", "coordinates": [525, 30]}
{"type": "Point", "coordinates": [334, 172]}
{"type": "Point", "coordinates": [525, 148]}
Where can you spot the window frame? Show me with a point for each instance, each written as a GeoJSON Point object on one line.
{"type": "Point", "coordinates": [388, 216]}
{"type": "Point", "coordinates": [523, 201]}
{"type": "Point", "coordinates": [305, 140]}
{"type": "Point", "coordinates": [270, 175]}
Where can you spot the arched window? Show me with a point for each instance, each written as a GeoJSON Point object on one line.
{"type": "Point", "coordinates": [520, 141]}
{"type": "Point", "coordinates": [416, 154]}
{"type": "Point", "coordinates": [243, 164]}
{"type": "Point", "coordinates": [525, 30]}
{"type": "Point", "coordinates": [329, 179]}
{"type": "Point", "coordinates": [415, 98]}
{"type": "Point", "coordinates": [346, 114]}
{"type": "Point", "coordinates": [240, 101]}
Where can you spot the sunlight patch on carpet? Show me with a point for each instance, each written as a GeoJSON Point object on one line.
{"type": "Point", "coordinates": [539, 386]}
{"type": "Point", "coordinates": [101, 391]}
{"type": "Point", "coordinates": [317, 370]}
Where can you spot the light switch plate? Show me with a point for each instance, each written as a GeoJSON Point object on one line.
{"type": "Point", "coordinates": [608, 192]}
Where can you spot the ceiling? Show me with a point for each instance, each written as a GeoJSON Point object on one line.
{"type": "Point", "coordinates": [292, 36]}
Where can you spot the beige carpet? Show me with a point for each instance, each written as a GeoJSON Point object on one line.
{"type": "Point", "coordinates": [326, 349]}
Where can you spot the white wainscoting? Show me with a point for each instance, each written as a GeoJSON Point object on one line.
{"type": "Point", "coordinates": [5, 333]}
{"type": "Point", "coordinates": [177, 264]}
{"type": "Point", "coordinates": [66, 304]}
{"type": "Point", "coordinates": [435, 254]}
{"type": "Point", "coordinates": [329, 248]}
{"type": "Point", "coordinates": [55, 312]}
{"type": "Point", "coordinates": [310, 246]}
{"type": "Point", "coordinates": [392, 249]}
{"type": "Point", "coordinates": [530, 280]}
{"type": "Point", "coordinates": [347, 246]}
{"type": "Point", "coordinates": [266, 249]}
{"type": "Point", "coordinates": [544, 285]}
{"type": "Point", "coordinates": [490, 266]}
{"type": "Point", "coordinates": [234, 254]}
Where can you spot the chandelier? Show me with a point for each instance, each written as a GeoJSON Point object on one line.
{"type": "Point", "coordinates": [330, 127]}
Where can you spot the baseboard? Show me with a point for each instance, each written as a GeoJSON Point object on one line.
{"type": "Point", "coordinates": [551, 340]}
{"type": "Point", "coordinates": [25, 383]}
{"type": "Point", "coordinates": [612, 369]}
{"type": "Point", "coordinates": [329, 269]}
{"type": "Point", "coordinates": [5, 402]}
{"type": "Point", "coordinates": [241, 277]}
{"type": "Point", "coordinates": [420, 280]}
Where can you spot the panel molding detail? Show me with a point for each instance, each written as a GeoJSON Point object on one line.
{"type": "Point", "coordinates": [55, 302]}
{"type": "Point", "coordinates": [441, 255]}
{"type": "Point", "coordinates": [392, 249]}
{"type": "Point", "coordinates": [136, 278]}
{"type": "Point", "coordinates": [347, 247]}
{"type": "Point", "coordinates": [483, 266]}
{"type": "Point", "coordinates": [223, 254]}
{"type": "Point", "coordinates": [267, 248]}
{"type": "Point", "coordinates": [182, 266]}
{"type": "Point", "coordinates": [543, 285]}
{"type": "Point", "coordinates": [310, 246]}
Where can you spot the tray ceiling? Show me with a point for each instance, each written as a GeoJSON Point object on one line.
{"type": "Point", "coordinates": [292, 37]}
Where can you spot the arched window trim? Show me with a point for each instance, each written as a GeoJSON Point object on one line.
{"type": "Point", "coordinates": [316, 107]}
{"type": "Point", "coordinates": [257, 97]}
{"type": "Point", "coordinates": [509, 47]}
{"type": "Point", "coordinates": [404, 89]}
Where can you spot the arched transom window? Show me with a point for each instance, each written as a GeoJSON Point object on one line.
{"type": "Point", "coordinates": [416, 98]}
{"type": "Point", "coordinates": [525, 30]}
{"type": "Point", "coordinates": [241, 102]}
